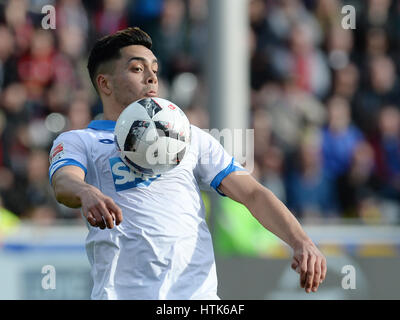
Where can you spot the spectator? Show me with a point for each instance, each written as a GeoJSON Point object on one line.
{"type": "Point", "coordinates": [328, 13]}
{"type": "Point", "coordinates": [358, 185]}
{"type": "Point", "coordinates": [346, 82]}
{"type": "Point", "coordinates": [198, 32]}
{"type": "Point", "coordinates": [169, 40]}
{"type": "Point", "coordinates": [377, 42]}
{"type": "Point", "coordinates": [39, 196]}
{"type": "Point", "coordinates": [262, 133]}
{"type": "Point", "coordinates": [111, 17]}
{"type": "Point", "coordinates": [306, 73]}
{"type": "Point", "coordinates": [309, 65]}
{"type": "Point", "coordinates": [382, 88]}
{"type": "Point", "coordinates": [283, 15]}
{"type": "Point", "coordinates": [71, 14]}
{"type": "Point", "coordinates": [20, 23]}
{"type": "Point", "coordinates": [387, 156]}
{"type": "Point", "coordinates": [79, 114]}
{"type": "Point", "coordinates": [292, 110]}
{"type": "Point", "coordinates": [17, 116]}
{"type": "Point", "coordinates": [378, 12]}
{"type": "Point", "coordinates": [311, 193]}
{"type": "Point", "coordinates": [339, 45]}
{"type": "Point", "coordinates": [36, 67]}
{"type": "Point", "coordinates": [146, 14]}
{"type": "Point", "coordinates": [8, 65]}
{"type": "Point", "coordinates": [271, 172]}
{"type": "Point", "coordinates": [339, 138]}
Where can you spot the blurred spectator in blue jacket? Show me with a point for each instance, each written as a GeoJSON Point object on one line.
{"type": "Point", "coordinates": [311, 194]}
{"type": "Point", "coordinates": [339, 138]}
{"type": "Point", "coordinates": [387, 152]}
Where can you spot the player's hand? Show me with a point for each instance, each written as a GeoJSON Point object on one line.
{"type": "Point", "coordinates": [310, 263]}
{"type": "Point", "coordinates": [99, 209]}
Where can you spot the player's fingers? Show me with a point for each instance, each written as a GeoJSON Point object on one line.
{"type": "Point", "coordinates": [115, 210]}
{"type": "Point", "coordinates": [317, 275]}
{"type": "Point", "coordinates": [91, 219]}
{"type": "Point", "coordinates": [310, 273]}
{"type": "Point", "coordinates": [112, 214]}
{"type": "Point", "coordinates": [99, 218]}
{"type": "Point", "coordinates": [295, 266]}
{"type": "Point", "coordinates": [94, 219]}
{"type": "Point", "coordinates": [106, 215]}
{"type": "Point", "coordinates": [323, 269]}
{"type": "Point", "coordinates": [303, 270]}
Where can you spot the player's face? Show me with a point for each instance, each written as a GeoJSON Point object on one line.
{"type": "Point", "coordinates": [135, 75]}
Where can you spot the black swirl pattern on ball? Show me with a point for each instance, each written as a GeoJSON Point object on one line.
{"type": "Point", "coordinates": [151, 106]}
{"type": "Point", "coordinates": [135, 133]}
{"type": "Point", "coordinates": [167, 131]}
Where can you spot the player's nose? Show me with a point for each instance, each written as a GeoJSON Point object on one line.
{"type": "Point", "coordinates": [152, 78]}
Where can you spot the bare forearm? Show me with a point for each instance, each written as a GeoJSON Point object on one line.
{"type": "Point", "coordinates": [72, 191]}
{"type": "Point", "coordinates": [68, 189]}
{"type": "Point", "coordinates": [275, 217]}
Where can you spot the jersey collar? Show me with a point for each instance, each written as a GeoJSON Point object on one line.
{"type": "Point", "coordinates": [107, 125]}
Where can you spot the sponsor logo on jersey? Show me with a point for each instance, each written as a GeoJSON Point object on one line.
{"type": "Point", "coordinates": [57, 153]}
{"type": "Point", "coordinates": [106, 141]}
{"type": "Point", "coordinates": [124, 178]}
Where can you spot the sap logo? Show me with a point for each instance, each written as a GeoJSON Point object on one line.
{"type": "Point", "coordinates": [124, 178]}
{"type": "Point", "coordinates": [106, 141]}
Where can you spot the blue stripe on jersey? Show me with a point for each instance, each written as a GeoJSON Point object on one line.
{"type": "Point", "coordinates": [106, 125]}
{"type": "Point", "coordinates": [222, 174]}
{"type": "Point", "coordinates": [62, 163]}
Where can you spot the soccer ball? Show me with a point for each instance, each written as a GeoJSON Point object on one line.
{"type": "Point", "coordinates": [153, 136]}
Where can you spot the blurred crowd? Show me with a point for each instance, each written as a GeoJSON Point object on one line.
{"type": "Point", "coordinates": [325, 101]}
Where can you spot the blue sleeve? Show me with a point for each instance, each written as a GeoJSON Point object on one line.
{"type": "Point", "coordinates": [62, 163]}
{"type": "Point", "coordinates": [233, 166]}
{"type": "Point", "coordinates": [214, 163]}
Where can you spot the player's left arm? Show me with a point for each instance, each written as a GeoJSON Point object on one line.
{"type": "Point", "coordinates": [308, 261]}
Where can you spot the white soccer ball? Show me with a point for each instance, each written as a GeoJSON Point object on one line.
{"type": "Point", "coordinates": [153, 136]}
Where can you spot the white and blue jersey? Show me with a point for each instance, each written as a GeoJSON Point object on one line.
{"type": "Point", "coordinates": [163, 248]}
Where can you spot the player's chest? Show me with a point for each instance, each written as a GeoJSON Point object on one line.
{"type": "Point", "coordinates": [108, 167]}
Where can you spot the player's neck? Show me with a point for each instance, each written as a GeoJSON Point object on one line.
{"type": "Point", "coordinates": [111, 113]}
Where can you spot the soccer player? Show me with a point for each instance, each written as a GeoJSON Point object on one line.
{"type": "Point", "coordinates": [148, 239]}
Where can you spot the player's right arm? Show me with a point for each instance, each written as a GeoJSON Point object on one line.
{"type": "Point", "coordinates": [67, 172]}
{"type": "Point", "coordinates": [71, 190]}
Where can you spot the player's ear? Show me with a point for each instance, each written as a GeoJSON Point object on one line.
{"type": "Point", "coordinates": [104, 84]}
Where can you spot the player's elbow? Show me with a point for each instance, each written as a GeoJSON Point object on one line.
{"type": "Point", "coordinates": [59, 195]}
{"type": "Point", "coordinates": [57, 188]}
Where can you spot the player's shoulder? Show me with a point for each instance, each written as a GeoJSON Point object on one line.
{"type": "Point", "coordinates": [198, 133]}
{"type": "Point", "coordinates": [75, 135]}
{"type": "Point", "coordinates": [194, 129]}
{"type": "Point", "coordinates": [198, 136]}
{"type": "Point", "coordinates": [84, 138]}
{"type": "Point", "coordinates": [204, 137]}
{"type": "Point", "coordinates": [203, 141]}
